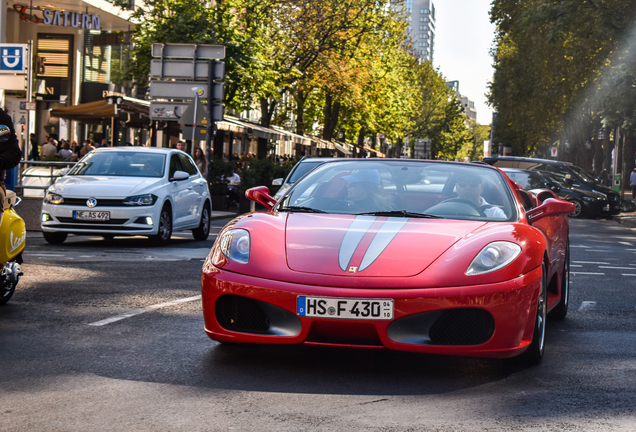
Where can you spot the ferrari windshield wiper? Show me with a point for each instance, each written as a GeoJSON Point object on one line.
{"type": "Point", "coordinates": [299, 209]}
{"type": "Point", "coordinates": [398, 213]}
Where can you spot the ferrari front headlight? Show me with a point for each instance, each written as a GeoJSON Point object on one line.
{"type": "Point", "coordinates": [235, 245]}
{"type": "Point", "coordinates": [493, 257]}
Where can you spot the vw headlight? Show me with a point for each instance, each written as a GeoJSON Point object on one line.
{"type": "Point", "coordinates": [53, 198]}
{"type": "Point", "coordinates": [493, 257]}
{"type": "Point", "coordinates": [140, 200]}
{"type": "Point", "coordinates": [235, 245]}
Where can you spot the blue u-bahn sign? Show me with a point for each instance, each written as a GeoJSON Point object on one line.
{"type": "Point", "coordinates": [13, 58]}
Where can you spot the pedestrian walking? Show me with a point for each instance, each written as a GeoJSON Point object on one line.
{"type": "Point", "coordinates": [632, 182]}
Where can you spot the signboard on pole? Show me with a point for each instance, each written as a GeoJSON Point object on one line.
{"type": "Point", "coordinates": [13, 58]}
{"type": "Point", "coordinates": [175, 50]}
{"type": "Point", "coordinates": [167, 110]}
{"type": "Point", "coordinates": [554, 151]}
{"type": "Point", "coordinates": [185, 90]}
{"type": "Point", "coordinates": [186, 69]}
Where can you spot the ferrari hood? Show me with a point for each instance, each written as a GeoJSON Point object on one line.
{"type": "Point", "coordinates": [342, 245]}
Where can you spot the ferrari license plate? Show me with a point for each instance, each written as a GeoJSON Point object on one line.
{"type": "Point", "coordinates": [346, 308]}
{"type": "Point", "coordinates": [91, 215]}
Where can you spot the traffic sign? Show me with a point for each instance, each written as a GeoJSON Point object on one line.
{"type": "Point", "coordinates": [554, 151]}
{"type": "Point", "coordinates": [167, 110]}
{"type": "Point", "coordinates": [13, 58]}
{"type": "Point", "coordinates": [186, 69]}
{"type": "Point", "coordinates": [24, 106]}
{"type": "Point", "coordinates": [185, 90]}
{"type": "Point", "coordinates": [190, 51]}
{"type": "Point", "coordinates": [199, 133]}
{"type": "Point", "coordinates": [195, 108]}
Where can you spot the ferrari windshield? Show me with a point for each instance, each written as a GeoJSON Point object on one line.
{"type": "Point", "coordinates": [403, 188]}
{"type": "Point", "coordinates": [121, 163]}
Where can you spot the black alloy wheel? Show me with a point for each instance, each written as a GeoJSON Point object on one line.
{"type": "Point", "coordinates": [578, 209]}
{"type": "Point", "coordinates": [164, 231]}
{"type": "Point", "coordinates": [54, 237]}
{"type": "Point", "coordinates": [203, 230]}
{"type": "Point", "coordinates": [561, 309]}
{"type": "Point", "coordinates": [534, 353]}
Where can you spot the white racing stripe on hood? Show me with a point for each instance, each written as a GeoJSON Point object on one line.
{"type": "Point", "coordinates": [352, 238]}
{"type": "Point", "coordinates": [384, 236]}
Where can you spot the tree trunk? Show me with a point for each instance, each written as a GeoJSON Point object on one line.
{"type": "Point", "coordinates": [331, 111]}
{"type": "Point", "coordinates": [358, 149]}
{"type": "Point", "coordinates": [628, 161]}
{"type": "Point", "coordinates": [267, 111]}
{"type": "Point", "coordinates": [301, 98]}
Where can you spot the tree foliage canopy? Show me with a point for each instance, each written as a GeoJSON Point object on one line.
{"type": "Point", "coordinates": [317, 67]}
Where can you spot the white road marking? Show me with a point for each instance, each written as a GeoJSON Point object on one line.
{"type": "Point", "coordinates": [617, 268]}
{"type": "Point", "coordinates": [587, 305]}
{"type": "Point", "coordinates": [578, 246]}
{"type": "Point", "coordinates": [596, 250]}
{"type": "Point", "coordinates": [627, 274]}
{"type": "Point", "coordinates": [590, 262]}
{"type": "Point", "coordinates": [45, 254]}
{"type": "Point", "coordinates": [626, 243]}
{"type": "Point", "coordinates": [575, 265]}
{"type": "Point", "coordinates": [587, 273]}
{"type": "Point", "coordinates": [143, 310]}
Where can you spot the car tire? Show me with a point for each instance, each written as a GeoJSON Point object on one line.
{"type": "Point", "coordinates": [54, 237]}
{"type": "Point", "coordinates": [202, 232]}
{"type": "Point", "coordinates": [561, 309]}
{"type": "Point", "coordinates": [164, 230]}
{"type": "Point", "coordinates": [534, 353]}
{"type": "Point", "coordinates": [578, 209]}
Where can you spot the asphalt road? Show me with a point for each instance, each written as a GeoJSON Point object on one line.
{"type": "Point", "coordinates": [108, 335]}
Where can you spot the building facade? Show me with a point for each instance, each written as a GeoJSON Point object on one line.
{"type": "Point", "coordinates": [421, 28]}
{"type": "Point", "coordinates": [77, 55]}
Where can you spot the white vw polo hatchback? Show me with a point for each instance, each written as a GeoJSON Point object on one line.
{"type": "Point", "coordinates": [117, 191]}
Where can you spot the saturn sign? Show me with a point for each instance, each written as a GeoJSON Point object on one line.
{"type": "Point", "coordinates": [60, 18]}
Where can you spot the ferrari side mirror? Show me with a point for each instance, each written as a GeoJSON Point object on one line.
{"type": "Point", "coordinates": [550, 207]}
{"type": "Point", "coordinates": [261, 195]}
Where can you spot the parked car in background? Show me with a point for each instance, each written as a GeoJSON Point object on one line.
{"type": "Point", "coordinates": [301, 168]}
{"type": "Point", "coordinates": [576, 176]}
{"type": "Point", "coordinates": [586, 203]}
{"type": "Point", "coordinates": [115, 191]}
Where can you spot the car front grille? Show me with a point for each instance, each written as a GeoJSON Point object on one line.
{"type": "Point", "coordinates": [241, 314]}
{"type": "Point", "coordinates": [462, 327]}
{"type": "Point", "coordinates": [91, 222]}
{"type": "Point", "coordinates": [101, 202]}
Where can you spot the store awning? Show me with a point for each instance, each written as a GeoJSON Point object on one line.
{"type": "Point", "coordinates": [290, 136]}
{"type": "Point", "coordinates": [254, 129]}
{"type": "Point", "coordinates": [132, 111]}
{"type": "Point", "coordinates": [322, 144]}
{"type": "Point", "coordinates": [342, 148]}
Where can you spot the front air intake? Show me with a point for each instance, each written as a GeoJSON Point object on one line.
{"type": "Point", "coordinates": [241, 314]}
{"type": "Point", "coordinates": [462, 327]}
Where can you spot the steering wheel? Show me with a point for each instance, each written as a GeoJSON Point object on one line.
{"type": "Point", "coordinates": [469, 208]}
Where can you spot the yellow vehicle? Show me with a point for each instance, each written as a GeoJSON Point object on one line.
{"type": "Point", "coordinates": [12, 240]}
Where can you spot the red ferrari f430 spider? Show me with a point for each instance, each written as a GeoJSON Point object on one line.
{"type": "Point", "coordinates": [412, 255]}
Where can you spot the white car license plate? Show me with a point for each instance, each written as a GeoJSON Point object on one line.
{"type": "Point", "coordinates": [346, 308]}
{"type": "Point", "coordinates": [606, 208]}
{"type": "Point", "coordinates": [91, 215]}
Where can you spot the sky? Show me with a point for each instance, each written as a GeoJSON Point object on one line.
{"type": "Point", "coordinates": [463, 40]}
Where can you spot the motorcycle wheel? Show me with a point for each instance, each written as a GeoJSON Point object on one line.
{"type": "Point", "coordinates": [6, 292]}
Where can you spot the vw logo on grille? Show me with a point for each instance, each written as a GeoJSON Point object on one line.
{"type": "Point", "coordinates": [91, 202]}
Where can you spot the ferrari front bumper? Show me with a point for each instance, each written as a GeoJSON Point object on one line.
{"type": "Point", "coordinates": [489, 320]}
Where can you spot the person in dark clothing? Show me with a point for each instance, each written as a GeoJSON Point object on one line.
{"type": "Point", "coordinates": [35, 152]}
{"type": "Point", "coordinates": [10, 153]}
